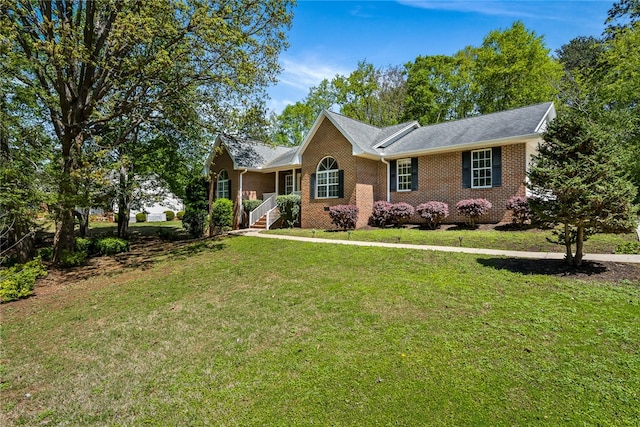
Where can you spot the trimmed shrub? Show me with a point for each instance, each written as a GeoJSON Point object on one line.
{"type": "Point", "coordinates": [222, 214]}
{"type": "Point", "coordinates": [111, 246]}
{"type": "Point", "coordinates": [520, 210]}
{"type": "Point", "coordinates": [141, 217]}
{"type": "Point", "coordinates": [381, 214]}
{"type": "Point", "coordinates": [472, 209]}
{"type": "Point", "coordinates": [434, 212]}
{"type": "Point", "coordinates": [289, 206]}
{"type": "Point", "coordinates": [344, 217]}
{"type": "Point", "coordinates": [180, 215]}
{"type": "Point", "coordinates": [169, 215]}
{"type": "Point", "coordinates": [249, 205]}
{"type": "Point", "coordinates": [83, 245]}
{"type": "Point", "coordinates": [17, 282]}
{"type": "Point", "coordinates": [46, 253]}
{"type": "Point", "coordinates": [630, 248]}
{"type": "Point", "coordinates": [401, 212]}
{"type": "Point", "coordinates": [115, 217]}
{"type": "Point", "coordinates": [72, 259]}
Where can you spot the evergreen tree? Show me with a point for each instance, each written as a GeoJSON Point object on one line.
{"type": "Point", "coordinates": [577, 183]}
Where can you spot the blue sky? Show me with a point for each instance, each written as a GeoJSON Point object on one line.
{"type": "Point", "coordinates": [329, 37]}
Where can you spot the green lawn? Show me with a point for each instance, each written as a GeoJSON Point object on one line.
{"type": "Point", "coordinates": [262, 332]}
{"type": "Point", "coordinates": [527, 240]}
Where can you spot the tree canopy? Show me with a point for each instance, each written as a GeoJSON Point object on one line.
{"type": "Point", "coordinates": [92, 64]}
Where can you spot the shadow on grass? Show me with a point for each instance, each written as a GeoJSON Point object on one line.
{"type": "Point", "coordinates": [549, 267]}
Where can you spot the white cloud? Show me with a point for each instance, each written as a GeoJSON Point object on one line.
{"type": "Point", "coordinates": [303, 73]}
{"type": "Point", "coordinates": [492, 8]}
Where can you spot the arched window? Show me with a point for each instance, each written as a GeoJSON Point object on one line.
{"type": "Point", "coordinates": [222, 186]}
{"type": "Point", "coordinates": [327, 178]}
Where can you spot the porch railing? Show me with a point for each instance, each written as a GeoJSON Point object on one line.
{"type": "Point", "coordinates": [272, 216]}
{"type": "Point", "coordinates": [267, 205]}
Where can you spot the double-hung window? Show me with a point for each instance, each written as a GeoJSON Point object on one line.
{"type": "Point", "coordinates": [481, 168]}
{"type": "Point", "coordinates": [288, 184]}
{"type": "Point", "coordinates": [327, 179]}
{"type": "Point", "coordinates": [222, 186]}
{"type": "Point", "coordinates": [404, 174]}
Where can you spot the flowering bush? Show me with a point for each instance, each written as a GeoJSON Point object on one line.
{"type": "Point", "coordinates": [519, 206]}
{"type": "Point", "coordinates": [433, 212]}
{"type": "Point", "coordinates": [400, 212]}
{"type": "Point", "coordinates": [473, 209]}
{"type": "Point", "coordinates": [344, 217]}
{"type": "Point", "coordinates": [381, 214]}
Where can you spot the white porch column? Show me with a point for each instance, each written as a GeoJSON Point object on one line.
{"type": "Point", "coordinates": [293, 171]}
{"type": "Point", "coordinates": [277, 176]}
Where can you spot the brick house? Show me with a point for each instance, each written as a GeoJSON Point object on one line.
{"type": "Point", "coordinates": [344, 161]}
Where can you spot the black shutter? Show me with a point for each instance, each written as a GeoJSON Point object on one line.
{"type": "Point", "coordinates": [466, 169]}
{"type": "Point", "coordinates": [414, 173]}
{"type": "Point", "coordinates": [496, 167]}
{"type": "Point", "coordinates": [230, 192]}
{"type": "Point", "coordinates": [393, 179]}
{"type": "Point", "coordinates": [312, 187]}
{"type": "Point", "coordinates": [340, 183]}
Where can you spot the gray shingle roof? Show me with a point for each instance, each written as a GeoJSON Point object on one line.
{"type": "Point", "coordinates": [253, 154]}
{"type": "Point", "coordinates": [401, 139]}
{"type": "Point", "coordinates": [490, 127]}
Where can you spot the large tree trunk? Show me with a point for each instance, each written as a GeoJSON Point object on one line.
{"type": "Point", "coordinates": [83, 219]}
{"type": "Point", "coordinates": [567, 245]}
{"type": "Point", "coordinates": [123, 202]}
{"type": "Point", "coordinates": [123, 220]}
{"type": "Point", "coordinates": [64, 239]}
{"type": "Point", "coordinates": [211, 185]}
{"type": "Point", "coordinates": [23, 239]}
{"type": "Point", "coordinates": [577, 260]}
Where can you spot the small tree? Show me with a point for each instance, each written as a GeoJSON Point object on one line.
{"type": "Point", "coordinates": [433, 212]}
{"type": "Point", "coordinates": [344, 217]}
{"type": "Point", "coordinates": [194, 219]}
{"type": "Point", "coordinates": [577, 184]}
{"type": "Point", "coordinates": [222, 214]}
{"type": "Point", "coordinates": [473, 209]}
{"type": "Point", "coordinates": [401, 212]}
{"type": "Point", "coordinates": [520, 210]}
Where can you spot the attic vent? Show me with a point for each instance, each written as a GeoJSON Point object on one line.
{"type": "Point", "coordinates": [543, 127]}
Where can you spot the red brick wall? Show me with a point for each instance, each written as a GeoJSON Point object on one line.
{"type": "Point", "coordinates": [440, 179]}
{"type": "Point", "coordinates": [255, 184]}
{"type": "Point", "coordinates": [327, 141]}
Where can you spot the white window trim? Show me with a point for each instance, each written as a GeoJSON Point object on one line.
{"type": "Point", "coordinates": [288, 184]}
{"type": "Point", "coordinates": [224, 183]}
{"type": "Point", "coordinates": [490, 168]}
{"type": "Point", "coordinates": [328, 173]}
{"type": "Point", "coordinates": [403, 162]}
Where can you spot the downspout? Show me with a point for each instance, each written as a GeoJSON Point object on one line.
{"type": "Point", "coordinates": [239, 209]}
{"type": "Point", "coordinates": [388, 178]}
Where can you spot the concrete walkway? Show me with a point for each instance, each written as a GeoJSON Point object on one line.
{"type": "Point", "coordinates": [635, 259]}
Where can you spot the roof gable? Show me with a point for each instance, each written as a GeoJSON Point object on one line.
{"type": "Point", "coordinates": [252, 154]}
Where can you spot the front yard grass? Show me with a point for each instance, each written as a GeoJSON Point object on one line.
{"type": "Point", "coordinates": [532, 240]}
{"type": "Point", "coordinates": [250, 331]}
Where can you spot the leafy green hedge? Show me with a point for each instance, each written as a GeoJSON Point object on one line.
{"type": "Point", "coordinates": [141, 217]}
{"type": "Point", "coordinates": [289, 207]}
{"type": "Point", "coordinates": [630, 248]}
{"type": "Point", "coordinates": [18, 281]}
{"type": "Point", "coordinates": [169, 215]}
{"type": "Point", "coordinates": [110, 246]}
